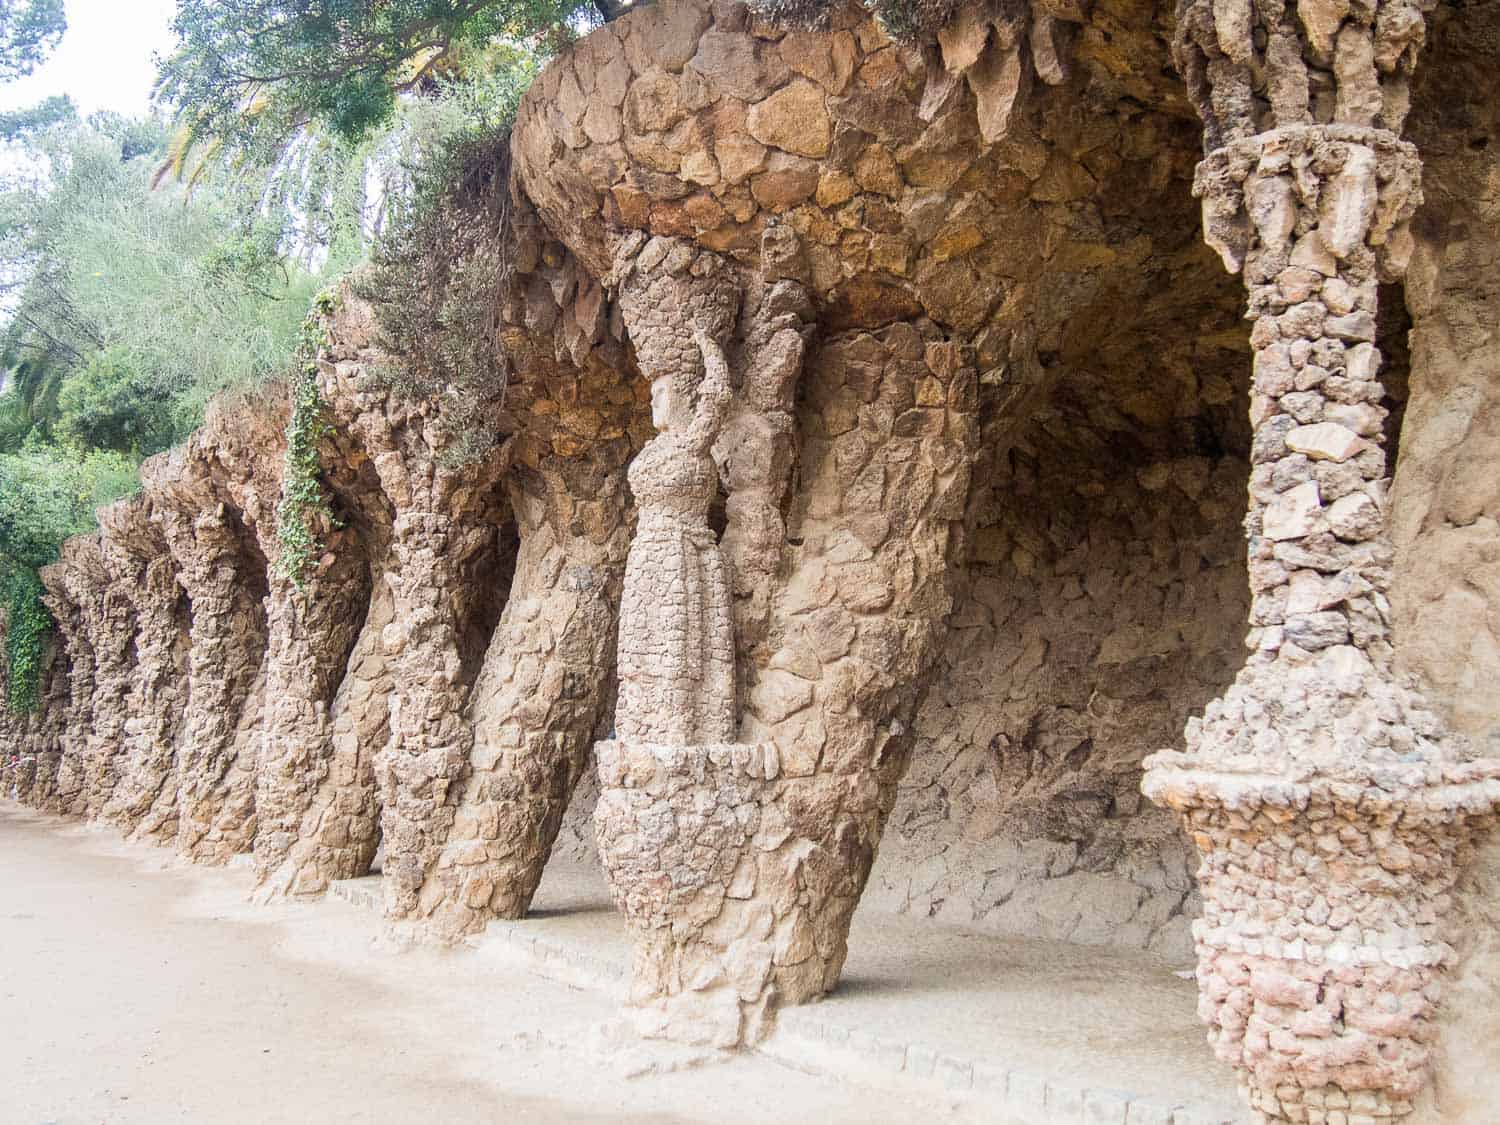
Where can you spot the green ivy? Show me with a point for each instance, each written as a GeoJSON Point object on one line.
{"type": "Point", "coordinates": [25, 636]}
{"type": "Point", "coordinates": [304, 503]}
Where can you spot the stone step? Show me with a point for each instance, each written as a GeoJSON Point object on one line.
{"type": "Point", "coordinates": [1043, 1032]}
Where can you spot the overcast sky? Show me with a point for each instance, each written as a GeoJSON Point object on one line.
{"type": "Point", "coordinates": [105, 60]}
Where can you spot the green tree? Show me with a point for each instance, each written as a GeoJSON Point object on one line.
{"type": "Point", "coordinates": [46, 495]}
{"type": "Point", "coordinates": [131, 307]}
{"type": "Point", "coordinates": [265, 68]}
{"type": "Point", "coordinates": [21, 123]}
{"type": "Point", "coordinates": [29, 30]}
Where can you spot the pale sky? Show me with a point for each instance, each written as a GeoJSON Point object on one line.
{"type": "Point", "coordinates": [105, 60]}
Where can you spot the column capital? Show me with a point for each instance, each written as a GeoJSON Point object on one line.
{"type": "Point", "coordinates": [1343, 195]}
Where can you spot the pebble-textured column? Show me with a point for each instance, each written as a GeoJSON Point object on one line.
{"type": "Point", "coordinates": [432, 563]}
{"type": "Point", "coordinates": [144, 798]}
{"type": "Point", "coordinates": [216, 790]}
{"type": "Point", "coordinates": [311, 632]}
{"type": "Point", "coordinates": [38, 734]}
{"type": "Point", "coordinates": [340, 828]}
{"type": "Point", "coordinates": [1333, 813]}
{"type": "Point", "coordinates": [540, 694]}
{"type": "Point", "coordinates": [109, 631]}
{"type": "Point", "coordinates": [443, 564]}
{"type": "Point", "coordinates": [61, 777]}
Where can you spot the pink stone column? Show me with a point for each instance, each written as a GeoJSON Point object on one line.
{"type": "Point", "coordinates": [1333, 812]}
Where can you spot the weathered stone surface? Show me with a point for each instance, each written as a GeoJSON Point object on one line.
{"type": "Point", "coordinates": [1321, 747]}
{"type": "Point", "coordinates": [143, 785]}
{"type": "Point", "coordinates": [941, 277]}
{"type": "Point", "coordinates": [794, 118]}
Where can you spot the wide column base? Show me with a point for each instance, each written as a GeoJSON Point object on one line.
{"type": "Point", "coordinates": [702, 860]}
{"type": "Point", "coordinates": [1327, 877]}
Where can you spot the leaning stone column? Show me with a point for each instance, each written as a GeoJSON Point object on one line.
{"type": "Point", "coordinates": [540, 694]}
{"type": "Point", "coordinates": [311, 631]}
{"type": "Point", "coordinates": [443, 553]}
{"type": "Point", "coordinates": [108, 632]}
{"type": "Point", "coordinates": [216, 791]}
{"type": "Point", "coordinates": [46, 726]}
{"type": "Point", "coordinates": [143, 797]}
{"type": "Point", "coordinates": [60, 778]}
{"type": "Point", "coordinates": [1332, 811]}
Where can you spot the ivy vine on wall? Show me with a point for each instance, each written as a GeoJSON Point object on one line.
{"type": "Point", "coordinates": [25, 637]}
{"type": "Point", "coordinates": [304, 509]}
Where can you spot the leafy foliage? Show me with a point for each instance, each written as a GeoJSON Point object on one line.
{"type": "Point", "coordinates": [45, 497]}
{"type": "Point", "coordinates": [304, 504]}
{"type": "Point", "coordinates": [29, 30]}
{"type": "Point", "coordinates": [27, 625]}
{"type": "Point", "coordinates": [128, 309]}
{"type": "Point", "coordinates": [437, 273]}
{"type": "Point", "coordinates": [133, 307]}
{"type": "Point", "coordinates": [265, 68]}
{"type": "Point", "coordinates": [21, 123]}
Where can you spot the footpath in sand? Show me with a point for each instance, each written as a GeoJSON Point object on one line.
{"type": "Point", "coordinates": [135, 990]}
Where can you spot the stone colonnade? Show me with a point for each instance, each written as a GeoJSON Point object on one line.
{"type": "Point", "coordinates": [798, 236]}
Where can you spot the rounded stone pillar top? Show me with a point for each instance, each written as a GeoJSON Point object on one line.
{"type": "Point", "coordinates": [1358, 186]}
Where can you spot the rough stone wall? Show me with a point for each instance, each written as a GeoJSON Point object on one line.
{"type": "Point", "coordinates": [1445, 500]}
{"type": "Point", "coordinates": [1105, 605]}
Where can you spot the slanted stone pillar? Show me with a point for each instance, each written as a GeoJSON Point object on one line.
{"type": "Point", "coordinates": [45, 727]}
{"type": "Point", "coordinates": [143, 800]}
{"type": "Point", "coordinates": [107, 634]}
{"type": "Point", "coordinates": [443, 561]}
{"type": "Point", "coordinates": [540, 695]}
{"type": "Point", "coordinates": [1332, 811]}
{"type": "Point", "coordinates": [311, 631]}
{"type": "Point", "coordinates": [60, 779]}
{"type": "Point", "coordinates": [222, 579]}
{"type": "Point", "coordinates": [339, 827]}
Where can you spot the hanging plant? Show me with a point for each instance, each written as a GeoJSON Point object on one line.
{"type": "Point", "coordinates": [304, 505]}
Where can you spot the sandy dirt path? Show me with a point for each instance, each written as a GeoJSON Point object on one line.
{"type": "Point", "coordinates": [136, 990]}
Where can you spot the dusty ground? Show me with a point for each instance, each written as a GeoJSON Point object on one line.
{"type": "Point", "coordinates": [134, 990]}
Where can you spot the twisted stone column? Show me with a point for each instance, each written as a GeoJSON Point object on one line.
{"type": "Point", "coordinates": [1333, 813]}
{"type": "Point", "coordinates": [60, 777]}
